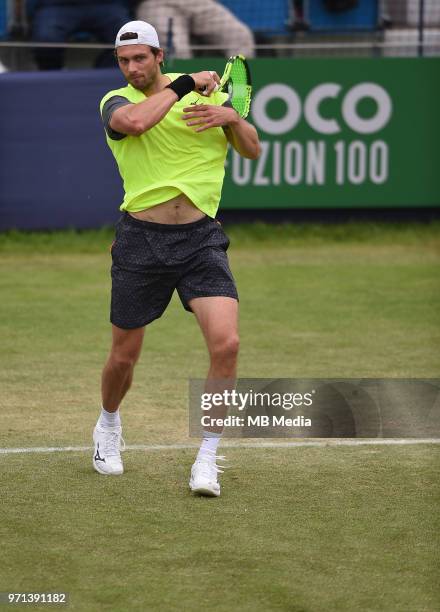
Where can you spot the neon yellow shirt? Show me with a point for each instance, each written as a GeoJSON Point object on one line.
{"type": "Point", "coordinates": [171, 158]}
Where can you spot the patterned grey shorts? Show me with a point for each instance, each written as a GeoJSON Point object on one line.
{"type": "Point", "coordinates": [150, 260]}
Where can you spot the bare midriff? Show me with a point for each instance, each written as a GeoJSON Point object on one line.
{"type": "Point", "coordinates": [173, 212]}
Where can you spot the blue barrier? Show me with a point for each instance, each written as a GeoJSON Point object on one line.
{"type": "Point", "coordinates": [56, 170]}
{"type": "Point", "coordinates": [3, 18]}
{"type": "Point", "coordinates": [261, 16]}
{"type": "Point", "coordinates": [362, 17]}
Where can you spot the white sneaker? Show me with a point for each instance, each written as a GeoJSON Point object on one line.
{"type": "Point", "coordinates": [204, 480]}
{"type": "Point", "coordinates": [107, 457]}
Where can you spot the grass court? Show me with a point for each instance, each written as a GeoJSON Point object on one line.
{"type": "Point", "coordinates": [299, 529]}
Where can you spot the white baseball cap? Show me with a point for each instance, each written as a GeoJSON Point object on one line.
{"type": "Point", "coordinates": [137, 33]}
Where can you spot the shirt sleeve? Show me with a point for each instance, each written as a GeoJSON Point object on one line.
{"type": "Point", "coordinates": [107, 111]}
{"type": "Point", "coordinates": [228, 104]}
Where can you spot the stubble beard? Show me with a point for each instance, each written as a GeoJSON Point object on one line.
{"type": "Point", "coordinates": [144, 83]}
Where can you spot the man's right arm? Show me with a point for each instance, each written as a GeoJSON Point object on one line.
{"type": "Point", "coordinates": [135, 119]}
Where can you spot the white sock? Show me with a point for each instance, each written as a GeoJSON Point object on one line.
{"type": "Point", "coordinates": [209, 445]}
{"type": "Point", "coordinates": [109, 419]}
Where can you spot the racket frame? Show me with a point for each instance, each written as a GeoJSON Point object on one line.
{"type": "Point", "coordinates": [225, 78]}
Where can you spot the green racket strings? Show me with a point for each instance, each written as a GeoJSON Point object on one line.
{"type": "Point", "coordinates": [239, 88]}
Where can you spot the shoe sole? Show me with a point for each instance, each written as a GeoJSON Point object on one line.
{"type": "Point", "coordinates": [100, 471]}
{"type": "Point", "coordinates": [204, 491]}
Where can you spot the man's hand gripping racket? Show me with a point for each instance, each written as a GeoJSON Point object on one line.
{"type": "Point", "coordinates": [206, 82]}
{"type": "Point", "coordinates": [236, 81]}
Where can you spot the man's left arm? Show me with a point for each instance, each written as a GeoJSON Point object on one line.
{"type": "Point", "coordinates": [241, 134]}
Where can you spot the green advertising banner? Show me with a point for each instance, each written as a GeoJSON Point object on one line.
{"type": "Point", "coordinates": [338, 133]}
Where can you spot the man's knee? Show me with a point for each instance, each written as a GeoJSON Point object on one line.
{"type": "Point", "coordinates": [51, 24]}
{"type": "Point", "coordinates": [226, 348]}
{"type": "Point", "coordinates": [244, 40]}
{"type": "Point", "coordinates": [125, 354]}
{"type": "Point", "coordinates": [235, 37]}
{"type": "Point", "coordinates": [123, 360]}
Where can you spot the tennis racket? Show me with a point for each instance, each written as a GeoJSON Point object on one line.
{"type": "Point", "coordinates": [236, 81]}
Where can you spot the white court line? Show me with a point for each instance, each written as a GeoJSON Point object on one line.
{"type": "Point", "coordinates": [159, 447]}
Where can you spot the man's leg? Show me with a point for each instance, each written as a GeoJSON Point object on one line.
{"type": "Point", "coordinates": [217, 25]}
{"type": "Point", "coordinates": [218, 320]}
{"type": "Point", "coordinates": [52, 24]}
{"type": "Point", "coordinates": [162, 15]}
{"type": "Point", "coordinates": [118, 370]}
{"type": "Point", "coordinates": [117, 377]}
{"type": "Point", "coordinates": [104, 21]}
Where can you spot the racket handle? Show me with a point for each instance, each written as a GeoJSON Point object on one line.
{"type": "Point", "coordinates": [205, 89]}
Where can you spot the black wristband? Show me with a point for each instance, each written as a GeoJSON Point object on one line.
{"type": "Point", "coordinates": [182, 85]}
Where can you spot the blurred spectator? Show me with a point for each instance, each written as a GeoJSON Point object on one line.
{"type": "Point", "coordinates": [17, 29]}
{"type": "Point", "coordinates": [299, 23]}
{"type": "Point", "coordinates": [206, 19]}
{"type": "Point", "coordinates": [59, 20]}
{"type": "Point", "coordinates": [339, 6]}
{"type": "Point", "coordinates": [333, 6]}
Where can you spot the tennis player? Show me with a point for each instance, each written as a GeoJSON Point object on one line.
{"type": "Point", "coordinates": [170, 142]}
